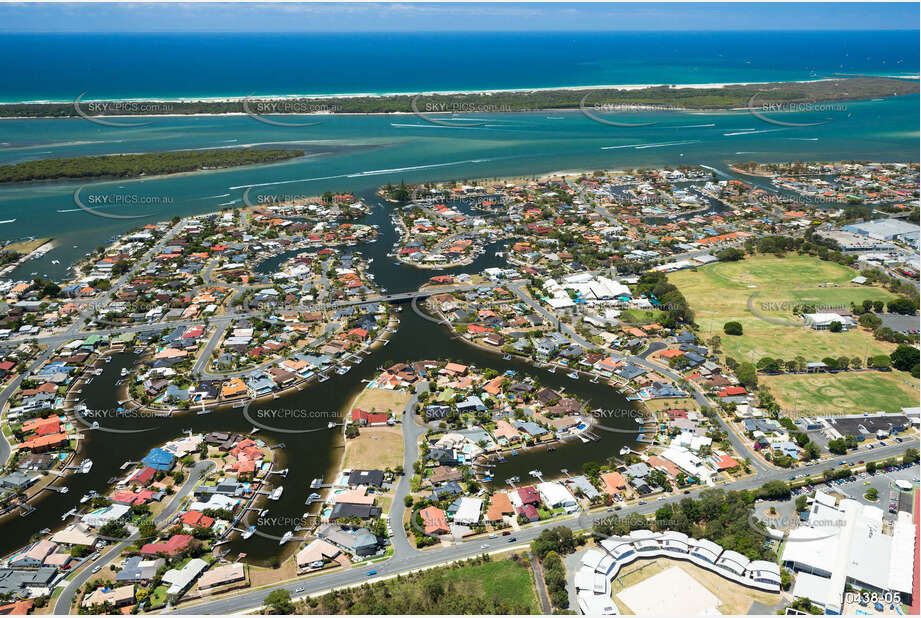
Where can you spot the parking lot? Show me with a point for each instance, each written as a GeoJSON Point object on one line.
{"type": "Point", "coordinates": [856, 488]}
{"type": "Point", "coordinates": [906, 324]}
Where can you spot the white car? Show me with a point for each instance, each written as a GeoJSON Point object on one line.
{"type": "Point", "coordinates": [484, 546]}
{"type": "Point", "coordinates": [97, 568]}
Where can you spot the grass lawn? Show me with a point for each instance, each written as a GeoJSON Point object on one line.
{"type": "Point", "coordinates": [500, 579]}
{"type": "Point", "coordinates": [843, 393]}
{"type": "Point", "coordinates": [641, 316]}
{"type": "Point", "coordinates": [470, 585]}
{"type": "Point", "coordinates": [720, 293]}
{"type": "Point", "coordinates": [26, 246]}
{"type": "Point", "coordinates": [382, 400]}
{"type": "Point", "coordinates": [680, 403]}
{"type": "Point", "coordinates": [157, 597]}
{"type": "Point", "coordinates": [375, 448]}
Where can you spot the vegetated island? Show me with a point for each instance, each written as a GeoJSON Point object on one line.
{"type": "Point", "coordinates": [136, 165]}
{"type": "Point", "coordinates": [704, 97]}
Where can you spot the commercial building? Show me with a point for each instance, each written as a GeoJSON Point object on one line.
{"type": "Point", "coordinates": [850, 544]}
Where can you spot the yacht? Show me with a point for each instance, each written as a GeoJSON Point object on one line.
{"type": "Point", "coordinates": [287, 537]}
{"type": "Point", "coordinates": [249, 532]}
{"type": "Point", "coordinates": [124, 372]}
{"type": "Point", "coordinates": [276, 493]}
{"type": "Point", "coordinates": [624, 450]}
{"type": "Point", "coordinates": [573, 375]}
{"type": "Point", "coordinates": [86, 466]}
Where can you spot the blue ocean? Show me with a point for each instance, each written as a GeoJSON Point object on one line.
{"type": "Point", "coordinates": [119, 66]}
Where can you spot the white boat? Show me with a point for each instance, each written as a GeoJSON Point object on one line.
{"type": "Point", "coordinates": [624, 450]}
{"type": "Point", "coordinates": [573, 375]}
{"type": "Point", "coordinates": [248, 532]}
{"type": "Point", "coordinates": [276, 493]}
{"type": "Point", "coordinates": [286, 537]}
{"type": "Point", "coordinates": [86, 466]}
{"type": "Point", "coordinates": [124, 372]}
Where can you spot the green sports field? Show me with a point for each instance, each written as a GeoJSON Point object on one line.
{"type": "Point", "coordinates": [769, 287]}
{"type": "Point", "coordinates": [843, 393]}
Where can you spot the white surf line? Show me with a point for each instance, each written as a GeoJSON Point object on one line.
{"type": "Point", "coordinates": [364, 173]}
{"type": "Point", "coordinates": [747, 132]}
{"type": "Point", "coordinates": [663, 145]}
{"type": "Point", "coordinates": [694, 126]}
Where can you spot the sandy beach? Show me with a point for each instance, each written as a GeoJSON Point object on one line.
{"type": "Point", "coordinates": [355, 95]}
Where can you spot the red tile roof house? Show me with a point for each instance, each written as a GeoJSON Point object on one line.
{"type": "Point", "coordinates": [529, 512]}
{"type": "Point", "coordinates": [528, 495]}
{"type": "Point", "coordinates": [726, 463]}
{"type": "Point", "coordinates": [177, 544]}
{"type": "Point", "coordinates": [143, 476]}
{"type": "Point", "coordinates": [732, 391]}
{"type": "Point", "coordinates": [434, 520]}
{"type": "Point", "coordinates": [196, 519]}
{"type": "Point", "coordinates": [361, 417]}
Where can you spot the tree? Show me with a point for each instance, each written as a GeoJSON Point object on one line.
{"type": "Point", "coordinates": [279, 602]}
{"type": "Point", "coordinates": [747, 375]}
{"type": "Point", "coordinates": [901, 305]}
{"type": "Point", "coordinates": [880, 361]}
{"type": "Point", "coordinates": [872, 494]}
{"type": "Point", "coordinates": [732, 328]}
{"type": "Point", "coordinates": [910, 456]}
{"type": "Point", "coordinates": [835, 327]}
{"type": "Point", "coordinates": [869, 320]}
{"type": "Point", "coordinates": [905, 358]}
{"type": "Point", "coordinates": [871, 467]}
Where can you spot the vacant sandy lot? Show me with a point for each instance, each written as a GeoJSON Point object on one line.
{"type": "Point", "coordinates": [381, 400]}
{"type": "Point", "coordinates": [375, 448]}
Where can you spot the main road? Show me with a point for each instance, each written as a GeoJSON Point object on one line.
{"type": "Point", "coordinates": [402, 562]}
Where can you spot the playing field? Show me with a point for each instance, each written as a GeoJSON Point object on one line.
{"type": "Point", "coordinates": [770, 287]}
{"type": "Point", "coordinates": [671, 592]}
{"type": "Point", "coordinates": [664, 587]}
{"type": "Point", "coordinates": [843, 393]}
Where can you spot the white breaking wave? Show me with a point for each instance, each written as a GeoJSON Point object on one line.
{"type": "Point", "coordinates": [359, 174]}
{"type": "Point", "coordinates": [752, 132]}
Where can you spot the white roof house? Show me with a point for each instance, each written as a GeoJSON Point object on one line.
{"type": "Point", "coordinates": [555, 495]}
{"type": "Point", "coordinates": [101, 517]}
{"type": "Point", "coordinates": [468, 511]}
{"type": "Point", "coordinates": [181, 579]}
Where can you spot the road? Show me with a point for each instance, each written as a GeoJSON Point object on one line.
{"type": "Point", "coordinates": [403, 562]}
{"type": "Point", "coordinates": [411, 434]}
{"type": "Point", "coordinates": [41, 359]}
{"type": "Point", "coordinates": [65, 601]}
{"type": "Point", "coordinates": [738, 444]}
